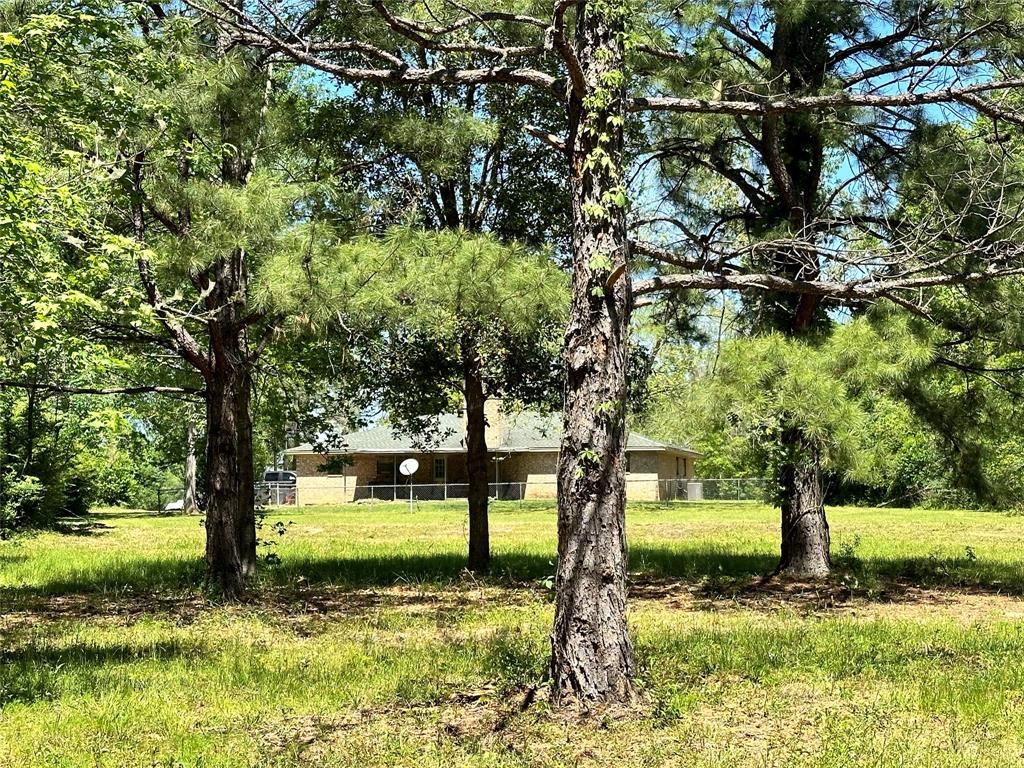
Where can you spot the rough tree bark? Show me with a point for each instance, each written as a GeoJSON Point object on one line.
{"type": "Point", "coordinates": [805, 534]}
{"type": "Point", "coordinates": [476, 458]}
{"type": "Point", "coordinates": [230, 506]}
{"type": "Point", "coordinates": [230, 502]}
{"type": "Point", "coordinates": [592, 654]}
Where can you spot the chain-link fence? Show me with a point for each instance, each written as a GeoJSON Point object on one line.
{"type": "Point", "coordinates": [172, 499]}
{"type": "Point", "coordinates": [330, 492]}
{"type": "Point", "coordinates": [326, 491]}
{"type": "Point", "coordinates": [320, 491]}
{"type": "Point", "coordinates": [715, 489]}
{"type": "Point", "coordinates": [275, 494]}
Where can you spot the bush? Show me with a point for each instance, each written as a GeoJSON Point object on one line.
{"type": "Point", "coordinates": [19, 502]}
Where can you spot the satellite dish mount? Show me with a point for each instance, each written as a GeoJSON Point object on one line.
{"type": "Point", "coordinates": [408, 469]}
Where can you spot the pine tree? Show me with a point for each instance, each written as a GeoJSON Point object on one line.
{"type": "Point", "coordinates": [797, 195]}
{"type": "Point", "coordinates": [437, 314]}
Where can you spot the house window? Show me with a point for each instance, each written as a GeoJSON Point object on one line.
{"type": "Point", "coordinates": [677, 467]}
{"type": "Point", "coordinates": [440, 470]}
{"type": "Point", "coordinates": [385, 471]}
{"type": "Point", "coordinates": [628, 462]}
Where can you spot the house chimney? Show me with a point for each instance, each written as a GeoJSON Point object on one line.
{"type": "Point", "coordinates": [495, 431]}
{"type": "Point", "coordinates": [495, 423]}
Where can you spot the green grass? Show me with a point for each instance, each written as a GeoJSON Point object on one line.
{"type": "Point", "coordinates": [367, 645]}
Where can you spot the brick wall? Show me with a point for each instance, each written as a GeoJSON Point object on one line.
{"type": "Point", "coordinates": [315, 487]}
{"type": "Point", "coordinates": [644, 482]}
{"type": "Point", "coordinates": [537, 470]}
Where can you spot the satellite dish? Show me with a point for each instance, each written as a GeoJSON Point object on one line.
{"type": "Point", "coordinates": [408, 467]}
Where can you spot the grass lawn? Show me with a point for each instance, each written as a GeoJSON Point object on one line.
{"type": "Point", "coordinates": [367, 645]}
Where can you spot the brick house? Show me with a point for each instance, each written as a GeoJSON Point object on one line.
{"type": "Point", "coordinates": [523, 451]}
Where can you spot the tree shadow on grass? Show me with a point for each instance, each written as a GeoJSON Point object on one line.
{"type": "Point", "coordinates": [935, 571]}
{"type": "Point", "coordinates": [748, 582]}
{"type": "Point", "coordinates": [117, 578]}
{"type": "Point", "coordinates": [89, 654]}
{"type": "Point", "coordinates": [697, 563]}
{"type": "Point", "coordinates": [715, 570]}
{"type": "Point", "coordinates": [81, 527]}
{"type": "Point", "coordinates": [10, 558]}
{"type": "Point", "coordinates": [434, 571]}
{"type": "Point", "coordinates": [99, 516]}
{"type": "Point", "coordinates": [30, 673]}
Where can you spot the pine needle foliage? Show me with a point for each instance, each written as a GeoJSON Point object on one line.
{"type": "Point", "coordinates": [441, 283]}
{"type": "Point", "coordinates": [769, 384]}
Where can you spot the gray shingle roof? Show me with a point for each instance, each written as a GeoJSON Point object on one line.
{"type": "Point", "coordinates": [522, 431]}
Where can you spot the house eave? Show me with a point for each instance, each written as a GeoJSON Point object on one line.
{"type": "Point", "coordinates": [307, 451]}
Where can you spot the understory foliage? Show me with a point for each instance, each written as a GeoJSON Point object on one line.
{"type": "Point", "coordinates": [52, 442]}
{"type": "Point", "coordinates": [896, 422]}
{"type": "Point", "coordinates": [770, 384]}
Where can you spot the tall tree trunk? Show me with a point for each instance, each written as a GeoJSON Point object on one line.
{"type": "Point", "coordinates": [476, 458]}
{"type": "Point", "coordinates": [230, 498]}
{"type": "Point", "coordinates": [190, 507]}
{"type": "Point", "coordinates": [805, 534]}
{"type": "Point", "coordinates": [231, 502]}
{"type": "Point", "coordinates": [226, 362]}
{"type": "Point", "coordinates": [592, 654]}
{"type": "Point", "coordinates": [793, 149]}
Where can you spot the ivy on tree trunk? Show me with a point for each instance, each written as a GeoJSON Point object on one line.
{"type": "Point", "coordinates": [591, 651]}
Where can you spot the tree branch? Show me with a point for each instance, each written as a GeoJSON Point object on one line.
{"type": "Point", "coordinates": [415, 32]}
{"type": "Point", "coordinates": [137, 390]}
{"type": "Point", "coordinates": [558, 41]}
{"type": "Point", "coordinates": [792, 104]}
{"type": "Point", "coordinates": [300, 52]}
{"type": "Point", "coordinates": [551, 139]}
{"type": "Point", "coordinates": [865, 289]}
{"type": "Point", "coordinates": [184, 343]}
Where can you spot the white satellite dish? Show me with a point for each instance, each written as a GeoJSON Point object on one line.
{"type": "Point", "coordinates": [408, 467]}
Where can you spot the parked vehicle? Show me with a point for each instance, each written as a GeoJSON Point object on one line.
{"type": "Point", "coordinates": [280, 476]}
{"type": "Point", "coordinates": [276, 487]}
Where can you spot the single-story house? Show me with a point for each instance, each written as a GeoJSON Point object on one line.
{"type": "Point", "coordinates": [523, 452]}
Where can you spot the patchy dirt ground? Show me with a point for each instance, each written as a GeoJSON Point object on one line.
{"type": "Point", "coordinates": [893, 600]}
{"type": "Point", "coordinates": [304, 608]}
